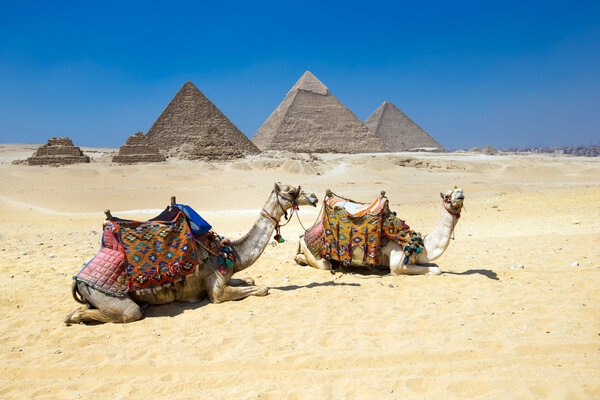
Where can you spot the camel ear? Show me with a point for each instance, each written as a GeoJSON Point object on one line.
{"type": "Point", "coordinates": [277, 185]}
{"type": "Point", "coordinates": [441, 195]}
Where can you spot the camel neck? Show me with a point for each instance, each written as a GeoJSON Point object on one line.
{"type": "Point", "coordinates": [251, 246]}
{"type": "Point", "coordinates": [437, 241]}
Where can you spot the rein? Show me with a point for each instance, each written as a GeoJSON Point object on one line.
{"type": "Point", "coordinates": [278, 226]}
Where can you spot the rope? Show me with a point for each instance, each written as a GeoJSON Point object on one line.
{"type": "Point", "coordinates": [316, 220]}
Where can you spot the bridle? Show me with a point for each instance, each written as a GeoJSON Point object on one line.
{"type": "Point", "coordinates": [448, 201]}
{"type": "Point", "coordinates": [293, 201]}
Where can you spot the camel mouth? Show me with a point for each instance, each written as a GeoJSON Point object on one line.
{"type": "Point", "coordinates": [313, 202]}
{"type": "Point", "coordinates": [460, 197]}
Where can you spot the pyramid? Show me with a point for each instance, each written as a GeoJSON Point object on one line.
{"type": "Point", "coordinates": [310, 119]}
{"type": "Point", "coordinates": [187, 117]}
{"type": "Point", "coordinates": [58, 151]}
{"type": "Point", "coordinates": [138, 149]}
{"type": "Point", "coordinates": [213, 146]}
{"type": "Point", "coordinates": [397, 131]}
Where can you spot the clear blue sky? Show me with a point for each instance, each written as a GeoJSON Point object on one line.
{"type": "Point", "coordinates": [505, 73]}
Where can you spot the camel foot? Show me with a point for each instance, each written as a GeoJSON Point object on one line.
{"type": "Point", "coordinates": [262, 291]}
{"type": "Point", "coordinates": [300, 259]}
{"type": "Point", "coordinates": [241, 282]}
{"type": "Point", "coordinates": [434, 271]}
{"type": "Point", "coordinates": [229, 293]}
{"type": "Point", "coordinates": [429, 269]}
{"type": "Point", "coordinates": [75, 316]}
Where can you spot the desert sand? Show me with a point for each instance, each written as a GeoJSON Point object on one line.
{"type": "Point", "coordinates": [480, 330]}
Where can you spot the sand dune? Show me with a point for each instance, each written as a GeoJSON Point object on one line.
{"type": "Point", "coordinates": [480, 330]}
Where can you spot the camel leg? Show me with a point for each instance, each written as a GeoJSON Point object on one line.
{"type": "Point", "coordinates": [397, 267]}
{"type": "Point", "coordinates": [305, 257]}
{"type": "Point", "coordinates": [218, 291]}
{"type": "Point", "coordinates": [108, 308]}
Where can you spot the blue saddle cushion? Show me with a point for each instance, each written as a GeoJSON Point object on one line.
{"type": "Point", "coordinates": [197, 223]}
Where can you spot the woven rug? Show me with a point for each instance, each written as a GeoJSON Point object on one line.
{"type": "Point", "coordinates": [158, 253]}
{"type": "Point", "coordinates": [342, 234]}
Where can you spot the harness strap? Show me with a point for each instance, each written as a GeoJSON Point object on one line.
{"type": "Point", "coordinates": [457, 215]}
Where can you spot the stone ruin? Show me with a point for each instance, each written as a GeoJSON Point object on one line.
{"type": "Point", "coordinates": [58, 151]}
{"type": "Point", "coordinates": [489, 150]}
{"type": "Point", "coordinates": [212, 146]}
{"type": "Point", "coordinates": [136, 149]}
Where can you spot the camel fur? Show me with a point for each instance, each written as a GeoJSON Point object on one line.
{"type": "Point", "coordinates": [392, 255]}
{"type": "Point", "coordinates": [207, 281]}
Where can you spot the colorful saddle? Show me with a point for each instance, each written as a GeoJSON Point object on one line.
{"type": "Point", "coordinates": [151, 255]}
{"type": "Point", "coordinates": [347, 225]}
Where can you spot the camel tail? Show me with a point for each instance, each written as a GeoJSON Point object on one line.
{"type": "Point", "coordinates": [76, 295]}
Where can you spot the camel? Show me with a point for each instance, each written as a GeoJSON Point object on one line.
{"type": "Point", "coordinates": [207, 279]}
{"type": "Point", "coordinates": [392, 255]}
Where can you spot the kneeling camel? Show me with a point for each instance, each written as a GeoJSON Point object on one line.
{"type": "Point", "coordinates": [392, 255]}
{"type": "Point", "coordinates": [208, 281]}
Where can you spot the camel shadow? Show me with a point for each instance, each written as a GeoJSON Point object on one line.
{"type": "Point", "coordinates": [171, 309]}
{"type": "Point", "coordinates": [485, 272]}
{"type": "Point", "coordinates": [312, 285]}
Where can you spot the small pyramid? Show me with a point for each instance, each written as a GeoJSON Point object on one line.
{"type": "Point", "coordinates": [137, 148]}
{"type": "Point", "coordinates": [187, 117]}
{"type": "Point", "coordinates": [397, 131]}
{"type": "Point", "coordinates": [213, 146]}
{"type": "Point", "coordinates": [311, 119]}
{"type": "Point", "coordinates": [58, 151]}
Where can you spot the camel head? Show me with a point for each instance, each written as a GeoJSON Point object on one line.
{"type": "Point", "coordinates": [453, 201]}
{"type": "Point", "coordinates": [290, 196]}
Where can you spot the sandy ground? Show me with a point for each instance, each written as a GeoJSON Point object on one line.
{"type": "Point", "coordinates": [480, 330]}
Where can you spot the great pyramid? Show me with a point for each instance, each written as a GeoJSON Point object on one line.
{"type": "Point", "coordinates": [397, 131]}
{"type": "Point", "coordinates": [310, 119]}
{"type": "Point", "coordinates": [187, 117]}
{"type": "Point", "coordinates": [58, 151]}
{"type": "Point", "coordinates": [137, 148]}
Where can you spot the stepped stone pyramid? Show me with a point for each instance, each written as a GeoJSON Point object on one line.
{"type": "Point", "coordinates": [187, 118]}
{"type": "Point", "coordinates": [212, 146]}
{"type": "Point", "coordinates": [58, 151]}
{"type": "Point", "coordinates": [311, 119]}
{"type": "Point", "coordinates": [398, 131]}
{"type": "Point", "coordinates": [137, 148]}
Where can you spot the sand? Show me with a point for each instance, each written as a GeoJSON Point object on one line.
{"type": "Point", "coordinates": [480, 330]}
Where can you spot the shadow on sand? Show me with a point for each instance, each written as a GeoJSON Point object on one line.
{"type": "Point", "coordinates": [171, 309]}
{"type": "Point", "coordinates": [175, 308]}
{"type": "Point", "coordinates": [313, 285]}
{"type": "Point", "coordinates": [485, 272]}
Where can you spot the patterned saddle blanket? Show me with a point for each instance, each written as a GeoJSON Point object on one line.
{"type": "Point", "coordinates": [142, 256]}
{"type": "Point", "coordinates": [347, 225]}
